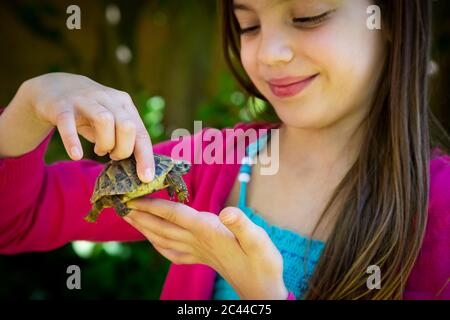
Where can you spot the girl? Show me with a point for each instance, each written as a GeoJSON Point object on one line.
{"type": "Point", "coordinates": [360, 186]}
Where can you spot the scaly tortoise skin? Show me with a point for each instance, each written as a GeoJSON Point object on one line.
{"type": "Point", "coordinates": [118, 183]}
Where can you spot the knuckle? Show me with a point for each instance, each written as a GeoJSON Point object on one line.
{"type": "Point", "coordinates": [260, 230]}
{"type": "Point", "coordinates": [143, 142]}
{"type": "Point", "coordinates": [63, 116]}
{"type": "Point", "coordinates": [125, 96]}
{"type": "Point", "coordinates": [76, 100]}
{"type": "Point", "coordinates": [107, 146]}
{"type": "Point", "coordinates": [142, 135]}
{"type": "Point", "coordinates": [71, 139]}
{"type": "Point", "coordinates": [171, 215]}
{"type": "Point", "coordinates": [163, 243]}
{"type": "Point", "coordinates": [210, 234]}
{"type": "Point", "coordinates": [82, 77]}
{"type": "Point", "coordinates": [172, 211]}
{"type": "Point", "coordinates": [217, 227]}
{"type": "Point", "coordinates": [127, 126]}
{"type": "Point", "coordinates": [259, 234]}
{"type": "Point", "coordinates": [255, 239]}
{"type": "Point", "coordinates": [103, 118]}
{"type": "Point", "coordinates": [101, 94]}
{"type": "Point", "coordinates": [104, 145]}
{"type": "Point", "coordinates": [100, 150]}
{"type": "Point", "coordinates": [60, 103]}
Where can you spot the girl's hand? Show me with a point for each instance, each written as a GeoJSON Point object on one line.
{"type": "Point", "coordinates": [230, 243]}
{"type": "Point", "coordinates": [104, 116]}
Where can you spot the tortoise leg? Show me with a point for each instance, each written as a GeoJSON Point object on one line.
{"type": "Point", "coordinates": [171, 190]}
{"type": "Point", "coordinates": [95, 212]}
{"type": "Point", "coordinates": [171, 187]}
{"type": "Point", "coordinates": [120, 207]}
{"type": "Point", "coordinates": [178, 185]}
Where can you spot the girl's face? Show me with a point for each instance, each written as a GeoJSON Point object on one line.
{"type": "Point", "coordinates": [324, 47]}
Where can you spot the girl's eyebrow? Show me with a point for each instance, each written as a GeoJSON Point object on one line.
{"type": "Point", "coordinates": [239, 6]}
{"type": "Point", "coordinates": [243, 7]}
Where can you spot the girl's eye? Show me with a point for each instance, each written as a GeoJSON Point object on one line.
{"type": "Point", "coordinates": [308, 22]}
{"type": "Point", "coordinates": [247, 30]}
{"type": "Point", "coordinates": [305, 22]}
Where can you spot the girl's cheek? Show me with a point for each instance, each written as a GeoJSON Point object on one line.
{"type": "Point", "coordinates": [344, 51]}
{"type": "Point", "coordinates": [249, 55]}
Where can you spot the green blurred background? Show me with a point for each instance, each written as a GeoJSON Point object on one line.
{"type": "Point", "coordinates": [167, 55]}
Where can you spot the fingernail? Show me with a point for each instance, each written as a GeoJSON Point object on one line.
{"type": "Point", "coordinates": [229, 217]}
{"type": "Point", "coordinates": [148, 175]}
{"type": "Point", "coordinates": [76, 153]}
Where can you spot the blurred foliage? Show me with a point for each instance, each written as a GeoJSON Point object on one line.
{"type": "Point", "coordinates": [173, 76]}
{"type": "Point", "coordinates": [230, 105]}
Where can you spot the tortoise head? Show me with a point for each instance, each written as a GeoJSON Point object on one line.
{"type": "Point", "coordinates": [181, 166]}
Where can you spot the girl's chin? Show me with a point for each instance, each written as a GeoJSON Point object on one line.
{"type": "Point", "coordinates": [301, 118]}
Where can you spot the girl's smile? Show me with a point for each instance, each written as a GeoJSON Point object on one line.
{"type": "Point", "coordinates": [290, 86]}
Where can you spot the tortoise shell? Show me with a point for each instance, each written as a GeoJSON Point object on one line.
{"type": "Point", "coordinates": [118, 183]}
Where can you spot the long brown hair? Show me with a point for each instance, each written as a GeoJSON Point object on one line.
{"type": "Point", "coordinates": [384, 196]}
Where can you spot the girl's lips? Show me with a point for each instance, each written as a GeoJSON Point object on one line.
{"type": "Point", "coordinates": [284, 91]}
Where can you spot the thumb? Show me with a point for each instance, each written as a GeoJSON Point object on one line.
{"type": "Point", "coordinates": [250, 236]}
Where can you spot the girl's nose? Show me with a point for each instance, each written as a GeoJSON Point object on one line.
{"type": "Point", "coordinates": [274, 50]}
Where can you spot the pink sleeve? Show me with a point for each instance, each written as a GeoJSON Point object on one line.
{"type": "Point", "coordinates": [430, 276]}
{"type": "Point", "coordinates": [42, 206]}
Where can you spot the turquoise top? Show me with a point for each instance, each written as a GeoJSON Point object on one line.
{"type": "Point", "coordinates": [291, 245]}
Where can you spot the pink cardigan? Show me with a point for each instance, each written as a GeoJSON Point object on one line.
{"type": "Point", "coordinates": [42, 208]}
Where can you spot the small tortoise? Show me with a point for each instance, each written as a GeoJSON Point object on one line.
{"type": "Point", "coordinates": [118, 183]}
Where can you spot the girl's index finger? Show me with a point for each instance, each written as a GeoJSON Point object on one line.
{"type": "Point", "coordinates": [143, 152]}
{"type": "Point", "coordinates": [174, 212]}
